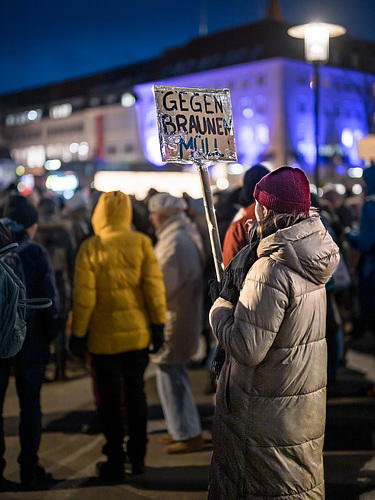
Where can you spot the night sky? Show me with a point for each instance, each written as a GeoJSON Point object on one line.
{"type": "Point", "coordinates": [45, 41]}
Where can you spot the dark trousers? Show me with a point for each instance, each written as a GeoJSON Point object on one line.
{"type": "Point", "coordinates": [29, 378]}
{"type": "Point", "coordinates": [120, 377]}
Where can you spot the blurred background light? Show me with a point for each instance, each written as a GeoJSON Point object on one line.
{"type": "Point", "coordinates": [52, 164]}
{"type": "Point", "coordinates": [127, 100]}
{"type": "Point", "coordinates": [357, 189]}
{"type": "Point", "coordinates": [222, 183]}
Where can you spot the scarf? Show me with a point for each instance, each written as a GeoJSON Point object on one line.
{"type": "Point", "coordinates": [231, 284]}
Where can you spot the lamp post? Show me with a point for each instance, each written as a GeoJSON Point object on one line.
{"type": "Point", "coordinates": [316, 36]}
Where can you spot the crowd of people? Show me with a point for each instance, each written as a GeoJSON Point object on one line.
{"type": "Point", "coordinates": [133, 280]}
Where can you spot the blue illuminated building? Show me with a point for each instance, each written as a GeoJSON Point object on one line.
{"type": "Point", "coordinates": [107, 121]}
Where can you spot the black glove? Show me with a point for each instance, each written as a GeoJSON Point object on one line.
{"type": "Point", "coordinates": [157, 337]}
{"type": "Point", "coordinates": [215, 289]}
{"type": "Point", "coordinates": [78, 346]}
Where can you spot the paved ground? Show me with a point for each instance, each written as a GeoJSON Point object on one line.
{"type": "Point", "coordinates": [71, 455]}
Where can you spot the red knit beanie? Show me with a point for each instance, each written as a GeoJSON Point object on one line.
{"type": "Point", "coordinates": [285, 190]}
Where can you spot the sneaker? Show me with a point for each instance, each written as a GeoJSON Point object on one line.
{"type": "Point", "coordinates": [6, 485]}
{"type": "Point", "coordinates": [35, 478]}
{"type": "Point", "coordinates": [111, 471]}
{"type": "Point", "coordinates": [166, 439]}
{"type": "Point", "coordinates": [187, 446]}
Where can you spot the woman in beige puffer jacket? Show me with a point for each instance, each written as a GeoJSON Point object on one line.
{"type": "Point", "coordinates": [270, 417]}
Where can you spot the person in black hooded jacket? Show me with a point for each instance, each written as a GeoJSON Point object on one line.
{"type": "Point", "coordinates": [20, 217]}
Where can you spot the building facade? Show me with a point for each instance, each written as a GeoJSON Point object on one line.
{"type": "Point", "coordinates": [104, 127]}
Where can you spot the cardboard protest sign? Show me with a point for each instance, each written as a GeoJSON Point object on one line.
{"type": "Point", "coordinates": [194, 122]}
{"type": "Point", "coordinates": [366, 147]}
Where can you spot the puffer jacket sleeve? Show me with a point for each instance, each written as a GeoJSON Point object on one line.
{"type": "Point", "coordinates": [84, 295]}
{"type": "Point", "coordinates": [247, 331]}
{"type": "Point", "coordinates": [153, 285]}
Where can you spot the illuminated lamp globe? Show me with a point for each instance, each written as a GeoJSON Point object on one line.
{"type": "Point", "coordinates": [316, 36]}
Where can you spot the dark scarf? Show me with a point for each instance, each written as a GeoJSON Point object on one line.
{"type": "Point", "coordinates": [230, 287]}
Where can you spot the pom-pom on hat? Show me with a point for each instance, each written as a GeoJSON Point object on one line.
{"type": "Point", "coordinates": [166, 204]}
{"type": "Point", "coordinates": [17, 208]}
{"type": "Point", "coordinates": [284, 190]}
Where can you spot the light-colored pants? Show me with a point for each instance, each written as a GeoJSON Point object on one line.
{"type": "Point", "coordinates": [177, 400]}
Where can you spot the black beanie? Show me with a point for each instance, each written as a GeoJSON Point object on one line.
{"type": "Point", "coordinates": [251, 178]}
{"type": "Point", "coordinates": [20, 210]}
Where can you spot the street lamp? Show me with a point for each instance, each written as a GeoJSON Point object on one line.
{"type": "Point", "coordinates": [316, 36]}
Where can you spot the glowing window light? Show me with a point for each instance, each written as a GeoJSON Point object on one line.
{"type": "Point", "coordinates": [355, 172]}
{"type": "Point", "coordinates": [347, 138]}
{"type": "Point", "coordinates": [263, 133]}
{"type": "Point", "coordinates": [357, 189]}
{"type": "Point", "coordinates": [358, 134]}
{"type": "Point", "coordinates": [32, 115]}
{"type": "Point", "coordinates": [127, 100]}
{"type": "Point", "coordinates": [247, 112]}
{"type": "Point", "coordinates": [60, 111]}
{"type": "Point", "coordinates": [10, 120]}
{"type": "Point", "coordinates": [52, 164]}
{"type": "Point", "coordinates": [23, 117]}
{"type": "Point", "coordinates": [235, 168]}
{"type": "Point", "coordinates": [222, 183]}
{"type": "Point", "coordinates": [307, 150]}
{"type": "Point", "coordinates": [61, 183]}
{"type": "Point", "coordinates": [74, 147]}
{"type": "Point", "coordinates": [246, 134]}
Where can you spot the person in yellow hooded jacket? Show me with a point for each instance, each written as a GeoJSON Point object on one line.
{"type": "Point", "coordinates": [119, 305]}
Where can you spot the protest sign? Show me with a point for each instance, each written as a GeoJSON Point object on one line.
{"type": "Point", "coordinates": [194, 121]}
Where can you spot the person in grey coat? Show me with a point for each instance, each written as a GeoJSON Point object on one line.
{"type": "Point", "coordinates": [179, 250]}
{"type": "Point", "coordinates": [269, 421]}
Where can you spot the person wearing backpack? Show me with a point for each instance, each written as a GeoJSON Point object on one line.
{"type": "Point", "coordinates": [21, 218]}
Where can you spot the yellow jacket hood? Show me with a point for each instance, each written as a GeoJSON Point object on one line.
{"type": "Point", "coordinates": [113, 211]}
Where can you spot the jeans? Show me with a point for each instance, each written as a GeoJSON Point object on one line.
{"type": "Point", "coordinates": [177, 400]}
{"type": "Point", "coordinates": [120, 378]}
{"type": "Point", "coordinates": [29, 379]}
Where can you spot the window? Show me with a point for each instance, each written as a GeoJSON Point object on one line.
{"type": "Point", "coordinates": [112, 149]}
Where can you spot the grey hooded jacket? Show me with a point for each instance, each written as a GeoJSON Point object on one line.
{"type": "Point", "coordinates": [180, 253]}
{"type": "Point", "coordinates": [269, 421]}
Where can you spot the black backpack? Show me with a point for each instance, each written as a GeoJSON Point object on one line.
{"type": "Point", "coordinates": [13, 303]}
